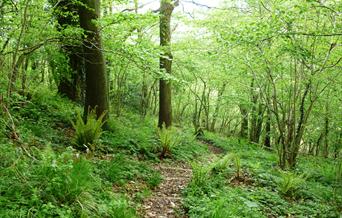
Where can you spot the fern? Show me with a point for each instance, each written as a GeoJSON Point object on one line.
{"type": "Point", "coordinates": [222, 163]}
{"type": "Point", "coordinates": [88, 133]}
{"type": "Point", "coordinates": [200, 175]}
{"type": "Point", "coordinates": [168, 140]}
{"type": "Point", "coordinates": [290, 183]}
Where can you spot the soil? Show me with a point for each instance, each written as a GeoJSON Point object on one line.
{"type": "Point", "coordinates": [166, 199]}
{"type": "Point", "coordinates": [212, 147]}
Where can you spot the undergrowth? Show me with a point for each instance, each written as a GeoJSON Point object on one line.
{"type": "Point", "coordinates": [43, 176]}
{"type": "Point", "coordinates": [43, 183]}
{"type": "Point", "coordinates": [263, 190]}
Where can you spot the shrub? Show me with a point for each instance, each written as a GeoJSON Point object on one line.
{"type": "Point", "coordinates": [88, 132]}
{"type": "Point", "coordinates": [47, 182]}
{"type": "Point", "coordinates": [130, 133]}
{"type": "Point", "coordinates": [223, 163]}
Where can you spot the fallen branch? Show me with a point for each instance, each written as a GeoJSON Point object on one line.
{"type": "Point", "coordinates": [12, 128]}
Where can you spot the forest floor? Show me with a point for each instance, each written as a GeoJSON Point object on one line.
{"type": "Point", "coordinates": [44, 175]}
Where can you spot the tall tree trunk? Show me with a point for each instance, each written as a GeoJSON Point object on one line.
{"type": "Point", "coordinates": [253, 99]}
{"type": "Point", "coordinates": [165, 107]}
{"type": "Point", "coordinates": [96, 77]}
{"type": "Point", "coordinates": [318, 144]}
{"type": "Point", "coordinates": [17, 61]}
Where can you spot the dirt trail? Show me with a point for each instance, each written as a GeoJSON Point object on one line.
{"type": "Point", "coordinates": [166, 200]}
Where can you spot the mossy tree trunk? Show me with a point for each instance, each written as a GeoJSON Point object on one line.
{"type": "Point", "coordinates": [165, 107]}
{"type": "Point", "coordinates": [70, 84]}
{"type": "Point", "coordinates": [244, 121]}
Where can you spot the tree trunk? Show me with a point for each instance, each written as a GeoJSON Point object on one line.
{"type": "Point", "coordinates": [253, 115]}
{"type": "Point", "coordinates": [71, 86]}
{"type": "Point", "coordinates": [267, 142]}
{"type": "Point", "coordinates": [70, 83]}
{"type": "Point", "coordinates": [244, 121]}
{"type": "Point", "coordinates": [23, 75]}
{"type": "Point", "coordinates": [258, 126]}
{"type": "Point", "coordinates": [217, 108]}
{"type": "Point", "coordinates": [165, 107]}
{"type": "Point", "coordinates": [96, 97]}
{"type": "Point", "coordinates": [326, 133]}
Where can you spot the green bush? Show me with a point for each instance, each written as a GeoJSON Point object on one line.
{"type": "Point", "coordinates": [223, 203]}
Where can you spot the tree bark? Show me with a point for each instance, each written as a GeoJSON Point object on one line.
{"type": "Point", "coordinates": [165, 107]}
{"type": "Point", "coordinates": [96, 95]}
{"type": "Point", "coordinates": [267, 142]}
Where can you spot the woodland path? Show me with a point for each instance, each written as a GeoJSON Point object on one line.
{"type": "Point", "coordinates": [166, 199]}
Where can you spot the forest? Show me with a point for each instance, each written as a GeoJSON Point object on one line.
{"type": "Point", "coordinates": [170, 108]}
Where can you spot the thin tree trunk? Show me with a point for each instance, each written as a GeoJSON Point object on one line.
{"type": "Point", "coordinates": [326, 134]}
{"type": "Point", "coordinates": [244, 122]}
{"type": "Point", "coordinates": [217, 108]}
{"type": "Point", "coordinates": [165, 107]}
{"type": "Point", "coordinates": [267, 142]}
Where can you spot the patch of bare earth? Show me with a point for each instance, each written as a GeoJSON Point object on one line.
{"type": "Point", "coordinates": [166, 199]}
{"type": "Point", "coordinates": [212, 147]}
